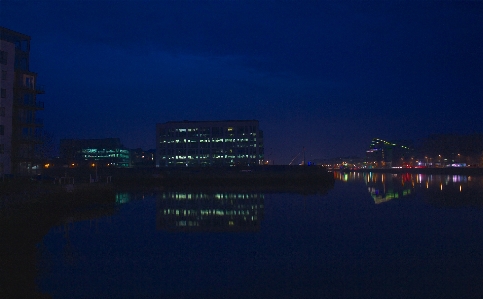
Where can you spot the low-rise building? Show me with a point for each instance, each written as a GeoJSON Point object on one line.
{"type": "Point", "coordinates": [103, 152]}
{"type": "Point", "coordinates": [143, 158]}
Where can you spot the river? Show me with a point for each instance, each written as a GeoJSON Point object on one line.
{"type": "Point", "coordinates": [374, 235]}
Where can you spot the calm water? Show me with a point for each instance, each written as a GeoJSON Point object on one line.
{"type": "Point", "coordinates": [372, 236]}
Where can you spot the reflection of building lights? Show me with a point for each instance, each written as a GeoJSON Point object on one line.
{"type": "Point", "coordinates": [382, 188]}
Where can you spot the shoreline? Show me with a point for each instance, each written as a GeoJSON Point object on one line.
{"type": "Point", "coordinates": [303, 180]}
{"type": "Point", "coordinates": [435, 171]}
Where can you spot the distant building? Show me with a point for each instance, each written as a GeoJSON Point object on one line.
{"type": "Point", "coordinates": [452, 150]}
{"type": "Point", "coordinates": [383, 154]}
{"type": "Point", "coordinates": [20, 129]}
{"type": "Point", "coordinates": [209, 143]}
{"type": "Point", "coordinates": [341, 163]}
{"type": "Point", "coordinates": [106, 152]}
{"type": "Point", "coordinates": [142, 158]}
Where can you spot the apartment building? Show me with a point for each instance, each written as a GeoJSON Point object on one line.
{"type": "Point", "coordinates": [20, 129]}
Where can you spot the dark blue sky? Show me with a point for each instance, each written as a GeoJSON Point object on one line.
{"type": "Point", "coordinates": [327, 76]}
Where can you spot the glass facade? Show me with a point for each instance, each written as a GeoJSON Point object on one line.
{"type": "Point", "coordinates": [382, 153]}
{"type": "Point", "coordinates": [217, 143]}
{"type": "Point", "coordinates": [108, 151]}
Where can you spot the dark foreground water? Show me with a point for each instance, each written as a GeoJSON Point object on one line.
{"type": "Point", "coordinates": [372, 236]}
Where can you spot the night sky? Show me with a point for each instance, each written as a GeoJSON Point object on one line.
{"type": "Point", "coordinates": [327, 76]}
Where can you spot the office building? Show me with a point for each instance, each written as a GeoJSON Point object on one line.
{"type": "Point", "coordinates": [20, 129]}
{"type": "Point", "coordinates": [385, 154]}
{"type": "Point", "coordinates": [107, 152]}
{"type": "Point", "coordinates": [209, 143]}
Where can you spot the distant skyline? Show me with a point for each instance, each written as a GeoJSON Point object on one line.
{"type": "Point", "coordinates": [325, 75]}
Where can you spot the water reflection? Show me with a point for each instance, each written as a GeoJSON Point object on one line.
{"type": "Point", "coordinates": [440, 190]}
{"type": "Point", "coordinates": [201, 212]}
{"type": "Point", "coordinates": [340, 245]}
{"type": "Point", "coordinates": [123, 197]}
{"type": "Point", "coordinates": [23, 225]}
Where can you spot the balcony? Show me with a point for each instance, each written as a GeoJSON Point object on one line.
{"type": "Point", "coordinates": [38, 89]}
{"type": "Point", "coordinates": [30, 122]}
{"type": "Point", "coordinates": [25, 139]}
{"type": "Point", "coordinates": [21, 103]}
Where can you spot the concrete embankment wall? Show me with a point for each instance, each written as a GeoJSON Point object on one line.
{"type": "Point", "coordinates": [82, 175]}
{"type": "Point", "coordinates": [274, 177]}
